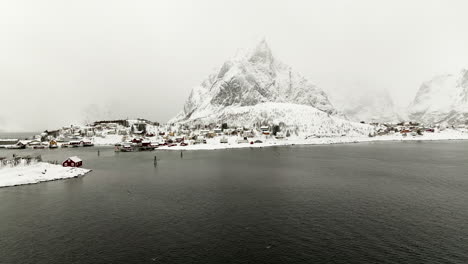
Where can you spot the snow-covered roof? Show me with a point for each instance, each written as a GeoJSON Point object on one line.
{"type": "Point", "coordinates": [75, 159]}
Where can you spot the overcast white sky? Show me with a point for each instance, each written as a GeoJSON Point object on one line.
{"type": "Point", "coordinates": [67, 61]}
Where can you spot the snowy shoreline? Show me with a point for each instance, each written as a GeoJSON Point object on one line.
{"type": "Point", "coordinates": [35, 173]}
{"type": "Point", "coordinates": [214, 144]}
{"type": "Point", "coordinates": [321, 141]}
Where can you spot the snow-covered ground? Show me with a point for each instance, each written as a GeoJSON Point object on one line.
{"type": "Point", "coordinates": [215, 144]}
{"type": "Point", "coordinates": [448, 134]}
{"type": "Point", "coordinates": [107, 140]}
{"type": "Point", "coordinates": [35, 173]}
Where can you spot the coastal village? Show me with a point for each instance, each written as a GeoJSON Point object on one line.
{"type": "Point", "coordinates": [413, 129]}
{"type": "Point", "coordinates": [144, 135]}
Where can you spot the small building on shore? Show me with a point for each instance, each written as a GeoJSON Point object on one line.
{"type": "Point", "coordinates": [72, 162]}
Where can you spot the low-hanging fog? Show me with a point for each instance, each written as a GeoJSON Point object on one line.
{"type": "Point", "coordinates": [63, 62]}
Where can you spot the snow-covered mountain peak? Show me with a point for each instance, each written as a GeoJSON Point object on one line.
{"type": "Point", "coordinates": [442, 99]}
{"type": "Point", "coordinates": [261, 53]}
{"type": "Point", "coordinates": [250, 80]}
{"type": "Point", "coordinates": [255, 87]}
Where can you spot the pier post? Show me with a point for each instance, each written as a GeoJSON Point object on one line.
{"type": "Point", "coordinates": [181, 155]}
{"type": "Point", "coordinates": [155, 161]}
{"type": "Point", "coordinates": [98, 153]}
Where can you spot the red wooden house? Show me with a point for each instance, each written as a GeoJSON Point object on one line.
{"type": "Point", "coordinates": [72, 162]}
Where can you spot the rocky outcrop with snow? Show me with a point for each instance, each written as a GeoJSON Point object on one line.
{"type": "Point", "coordinates": [444, 99]}
{"type": "Point", "coordinates": [255, 88]}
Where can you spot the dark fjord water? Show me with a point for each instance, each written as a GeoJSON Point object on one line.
{"type": "Point", "coordinates": [358, 203]}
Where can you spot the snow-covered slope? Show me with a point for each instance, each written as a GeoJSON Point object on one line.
{"type": "Point", "coordinates": [444, 99]}
{"type": "Point", "coordinates": [299, 119]}
{"type": "Point", "coordinates": [372, 105]}
{"type": "Point", "coordinates": [255, 88]}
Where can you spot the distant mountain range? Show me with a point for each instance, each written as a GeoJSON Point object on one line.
{"type": "Point", "coordinates": [255, 87]}
{"type": "Point", "coordinates": [441, 100]}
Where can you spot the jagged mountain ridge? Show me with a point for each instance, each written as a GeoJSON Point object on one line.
{"type": "Point", "coordinates": [443, 99]}
{"type": "Point", "coordinates": [256, 87]}
{"type": "Point", "coordinates": [254, 78]}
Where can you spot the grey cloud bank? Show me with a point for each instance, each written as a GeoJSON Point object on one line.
{"type": "Point", "coordinates": [63, 63]}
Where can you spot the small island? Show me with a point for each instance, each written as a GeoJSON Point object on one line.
{"type": "Point", "coordinates": [27, 170]}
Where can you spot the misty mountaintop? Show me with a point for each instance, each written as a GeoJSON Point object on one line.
{"type": "Point", "coordinates": [254, 88]}
{"type": "Point", "coordinates": [443, 99]}
{"type": "Point", "coordinates": [252, 78]}
{"type": "Point", "coordinates": [370, 105]}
